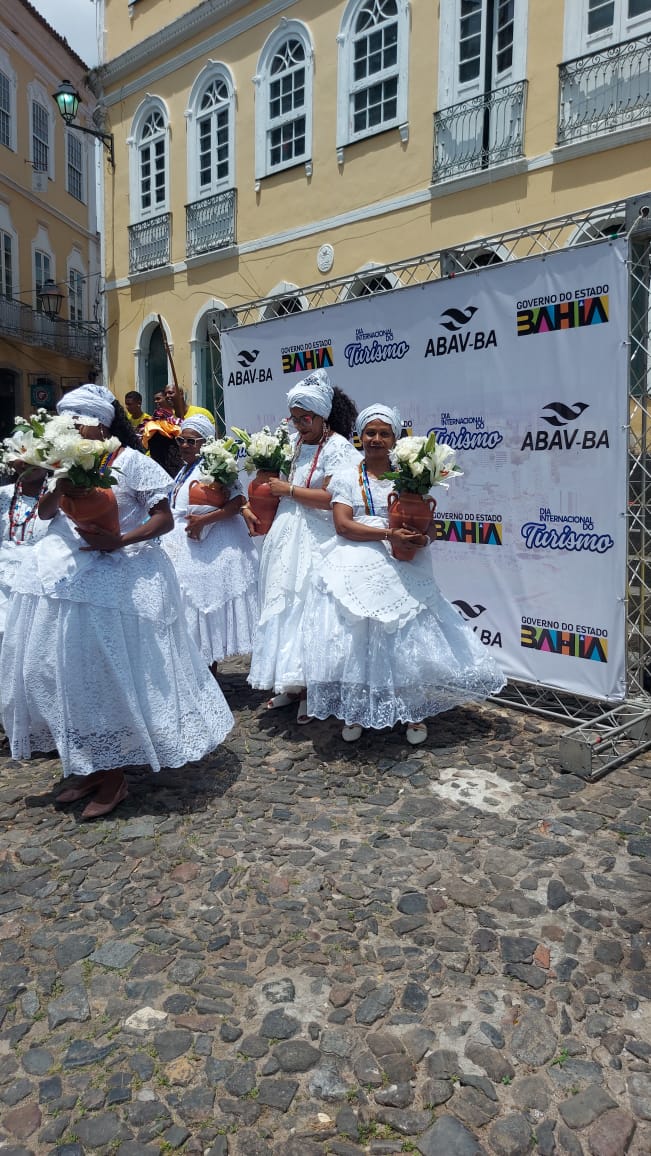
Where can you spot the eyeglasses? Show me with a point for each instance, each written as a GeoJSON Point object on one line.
{"type": "Point", "coordinates": [189, 441]}
{"type": "Point", "coordinates": [306, 420]}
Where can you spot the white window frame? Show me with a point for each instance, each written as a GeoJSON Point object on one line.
{"type": "Point", "coordinates": [72, 139]}
{"type": "Point", "coordinates": [345, 78]}
{"type": "Point", "coordinates": [36, 94]}
{"type": "Point", "coordinates": [212, 72]}
{"type": "Point", "coordinates": [577, 42]}
{"type": "Point", "coordinates": [76, 272]}
{"type": "Point", "coordinates": [6, 226]}
{"type": "Point", "coordinates": [41, 249]}
{"type": "Point", "coordinates": [136, 144]}
{"type": "Point", "coordinates": [10, 76]}
{"type": "Point", "coordinates": [286, 30]}
{"type": "Point", "coordinates": [450, 90]}
{"type": "Point", "coordinates": [4, 233]}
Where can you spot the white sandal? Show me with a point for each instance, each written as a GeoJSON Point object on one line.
{"type": "Point", "coordinates": [303, 718]}
{"type": "Point", "coordinates": [352, 734]}
{"type": "Point", "coordinates": [279, 700]}
{"type": "Point", "coordinates": [416, 734]}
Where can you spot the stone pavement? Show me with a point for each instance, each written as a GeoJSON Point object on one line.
{"type": "Point", "coordinates": [302, 948]}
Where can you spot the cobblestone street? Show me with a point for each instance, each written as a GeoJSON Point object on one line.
{"type": "Point", "coordinates": [300, 947]}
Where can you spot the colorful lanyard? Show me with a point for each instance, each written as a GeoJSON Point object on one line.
{"type": "Point", "coordinates": [364, 485]}
{"type": "Point", "coordinates": [15, 522]}
{"type": "Point", "coordinates": [181, 477]}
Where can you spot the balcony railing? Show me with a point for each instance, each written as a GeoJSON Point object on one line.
{"type": "Point", "coordinates": [210, 223]}
{"type": "Point", "coordinates": [150, 243]}
{"type": "Point", "coordinates": [80, 339]}
{"type": "Point", "coordinates": [606, 90]}
{"type": "Point", "coordinates": [479, 133]}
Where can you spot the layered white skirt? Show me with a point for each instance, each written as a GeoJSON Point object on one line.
{"type": "Point", "coordinates": [218, 576]}
{"type": "Point", "coordinates": [382, 645]}
{"type": "Point", "coordinates": [97, 662]}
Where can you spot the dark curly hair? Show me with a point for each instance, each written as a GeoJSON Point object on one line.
{"type": "Point", "coordinates": [343, 414]}
{"type": "Point", "coordinates": [121, 428]}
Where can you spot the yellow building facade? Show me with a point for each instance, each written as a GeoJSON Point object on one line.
{"type": "Point", "coordinates": [48, 221]}
{"type": "Point", "coordinates": [264, 147]}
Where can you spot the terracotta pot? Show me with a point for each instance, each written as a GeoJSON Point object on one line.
{"type": "Point", "coordinates": [415, 511]}
{"type": "Point", "coordinates": [208, 494]}
{"type": "Point", "coordinates": [94, 509]}
{"type": "Point", "coordinates": [262, 501]}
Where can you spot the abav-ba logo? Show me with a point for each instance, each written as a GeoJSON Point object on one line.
{"type": "Point", "coordinates": [574, 533]}
{"type": "Point", "coordinates": [573, 640]}
{"type": "Point", "coordinates": [314, 354]}
{"type": "Point", "coordinates": [564, 433]}
{"type": "Point", "coordinates": [378, 345]}
{"type": "Point", "coordinates": [472, 614]}
{"type": "Point", "coordinates": [471, 433]}
{"type": "Point", "coordinates": [570, 309]}
{"type": "Point", "coordinates": [473, 529]}
{"type": "Point", "coordinates": [250, 372]}
{"type": "Point", "coordinates": [460, 337]}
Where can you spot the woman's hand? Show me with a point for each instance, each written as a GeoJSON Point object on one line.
{"type": "Point", "coordinates": [98, 539]}
{"type": "Point", "coordinates": [195, 523]}
{"type": "Point", "coordinates": [252, 522]}
{"type": "Point", "coordinates": [279, 487]}
{"type": "Point", "coordinates": [408, 536]}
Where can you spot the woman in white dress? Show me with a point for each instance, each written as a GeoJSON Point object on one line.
{"type": "Point", "coordinates": [20, 526]}
{"type": "Point", "coordinates": [324, 418]}
{"type": "Point", "coordinates": [96, 659]}
{"type": "Point", "coordinates": [216, 561]}
{"type": "Point", "coordinates": [382, 645]}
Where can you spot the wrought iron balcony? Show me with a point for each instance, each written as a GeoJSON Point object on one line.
{"type": "Point", "coordinates": [479, 133]}
{"type": "Point", "coordinates": [606, 90]}
{"type": "Point", "coordinates": [79, 339]}
{"type": "Point", "coordinates": [210, 223]}
{"type": "Point", "coordinates": [150, 243]}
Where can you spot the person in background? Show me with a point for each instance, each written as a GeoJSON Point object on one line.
{"type": "Point", "coordinates": [20, 525]}
{"type": "Point", "coordinates": [159, 434]}
{"type": "Point", "coordinates": [180, 407]}
{"type": "Point", "coordinates": [133, 406]}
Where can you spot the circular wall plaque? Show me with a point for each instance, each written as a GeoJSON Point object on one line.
{"type": "Point", "coordinates": [325, 258]}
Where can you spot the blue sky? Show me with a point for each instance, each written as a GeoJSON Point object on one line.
{"type": "Point", "coordinates": [77, 21]}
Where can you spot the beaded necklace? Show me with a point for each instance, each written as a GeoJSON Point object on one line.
{"type": "Point", "coordinates": [25, 523]}
{"type": "Point", "coordinates": [297, 451]}
{"type": "Point", "coordinates": [364, 485]}
{"type": "Point", "coordinates": [181, 477]}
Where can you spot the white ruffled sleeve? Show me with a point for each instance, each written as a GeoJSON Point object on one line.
{"type": "Point", "coordinates": [338, 453]}
{"type": "Point", "coordinates": [343, 487]}
{"type": "Point", "coordinates": [148, 481]}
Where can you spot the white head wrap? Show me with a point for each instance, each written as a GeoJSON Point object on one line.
{"type": "Point", "coordinates": [382, 413]}
{"type": "Point", "coordinates": [201, 424]}
{"type": "Point", "coordinates": [90, 400]}
{"type": "Point", "coordinates": [313, 393]}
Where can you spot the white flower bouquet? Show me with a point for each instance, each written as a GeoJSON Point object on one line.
{"type": "Point", "coordinates": [419, 464]}
{"type": "Point", "coordinates": [81, 461]}
{"type": "Point", "coordinates": [270, 450]}
{"type": "Point", "coordinates": [24, 443]}
{"type": "Point", "coordinates": [218, 461]}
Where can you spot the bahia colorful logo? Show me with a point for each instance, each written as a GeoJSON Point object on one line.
{"type": "Point", "coordinates": [570, 309]}
{"type": "Point", "coordinates": [376, 346]}
{"type": "Point", "coordinates": [460, 338]}
{"type": "Point", "coordinates": [471, 434]}
{"type": "Point", "coordinates": [471, 614]}
{"type": "Point", "coordinates": [564, 638]}
{"type": "Point", "coordinates": [315, 354]}
{"type": "Point", "coordinates": [574, 533]}
{"type": "Point", "coordinates": [472, 529]}
{"type": "Point", "coordinates": [564, 433]}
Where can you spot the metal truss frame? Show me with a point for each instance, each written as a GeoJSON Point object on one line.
{"type": "Point", "coordinates": [601, 739]}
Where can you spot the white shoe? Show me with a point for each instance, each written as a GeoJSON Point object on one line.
{"type": "Point", "coordinates": [416, 734]}
{"type": "Point", "coordinates": [352, 734]}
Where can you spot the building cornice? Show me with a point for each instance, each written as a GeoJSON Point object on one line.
{"type": "Point", "coordinates": [172, 36]}
{"type": "Point", "coordinates": [47, 209]}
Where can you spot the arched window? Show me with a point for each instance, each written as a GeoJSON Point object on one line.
{"type": "Point", "coordinates": [373, 65]}
{"type": "Point", "coordinates": [149, 169]}
{"type": "Point", "coordinates": [41, 129]}
{"type": "Point", "coordinates": [283, 108]}
{"type": "Point", "coordinates": [211, 124]}
{"type": "Point", "coordinates": [7, 102]}
{"type": "Point", "coordinates": [286, 301]}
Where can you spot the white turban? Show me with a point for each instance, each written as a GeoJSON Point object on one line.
{"type": "Point", "coordinates": [200, 424]}
{"type": "Point", "coordinates": [90, 400]}
{"type": "Point", "coordinates": [313, 393]}
{"type": "Point", "coordinates": [382, 413]}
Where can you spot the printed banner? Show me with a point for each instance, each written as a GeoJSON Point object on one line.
{"type": "Point", "coordinates": [522, 367]}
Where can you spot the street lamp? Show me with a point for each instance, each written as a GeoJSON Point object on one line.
{"type": "Point", "coordinates": [50, 298]}
{"type": "Point", "coordinates": [67, 101]}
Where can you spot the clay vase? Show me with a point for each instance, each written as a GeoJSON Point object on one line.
{"type": "Point", "coordinates": [262, 501]}
{"type": "Point", "coordinates": [413, 510]}
{"type": "Point", "coordinates": [92, 509]}
{"type": "Point", "coordinates": [208, 494]}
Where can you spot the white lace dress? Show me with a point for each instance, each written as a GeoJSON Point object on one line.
{"type": "Point", "coordinates": [218, 576]}
{"type": "Point", "coordinates": [381, 643]}
{"type": "Point", "coordinates": [96, 659]}
{"type": "Point", "coordinates": [286, 567]}
{"type": "Point", "coordinates": [27, 530]}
